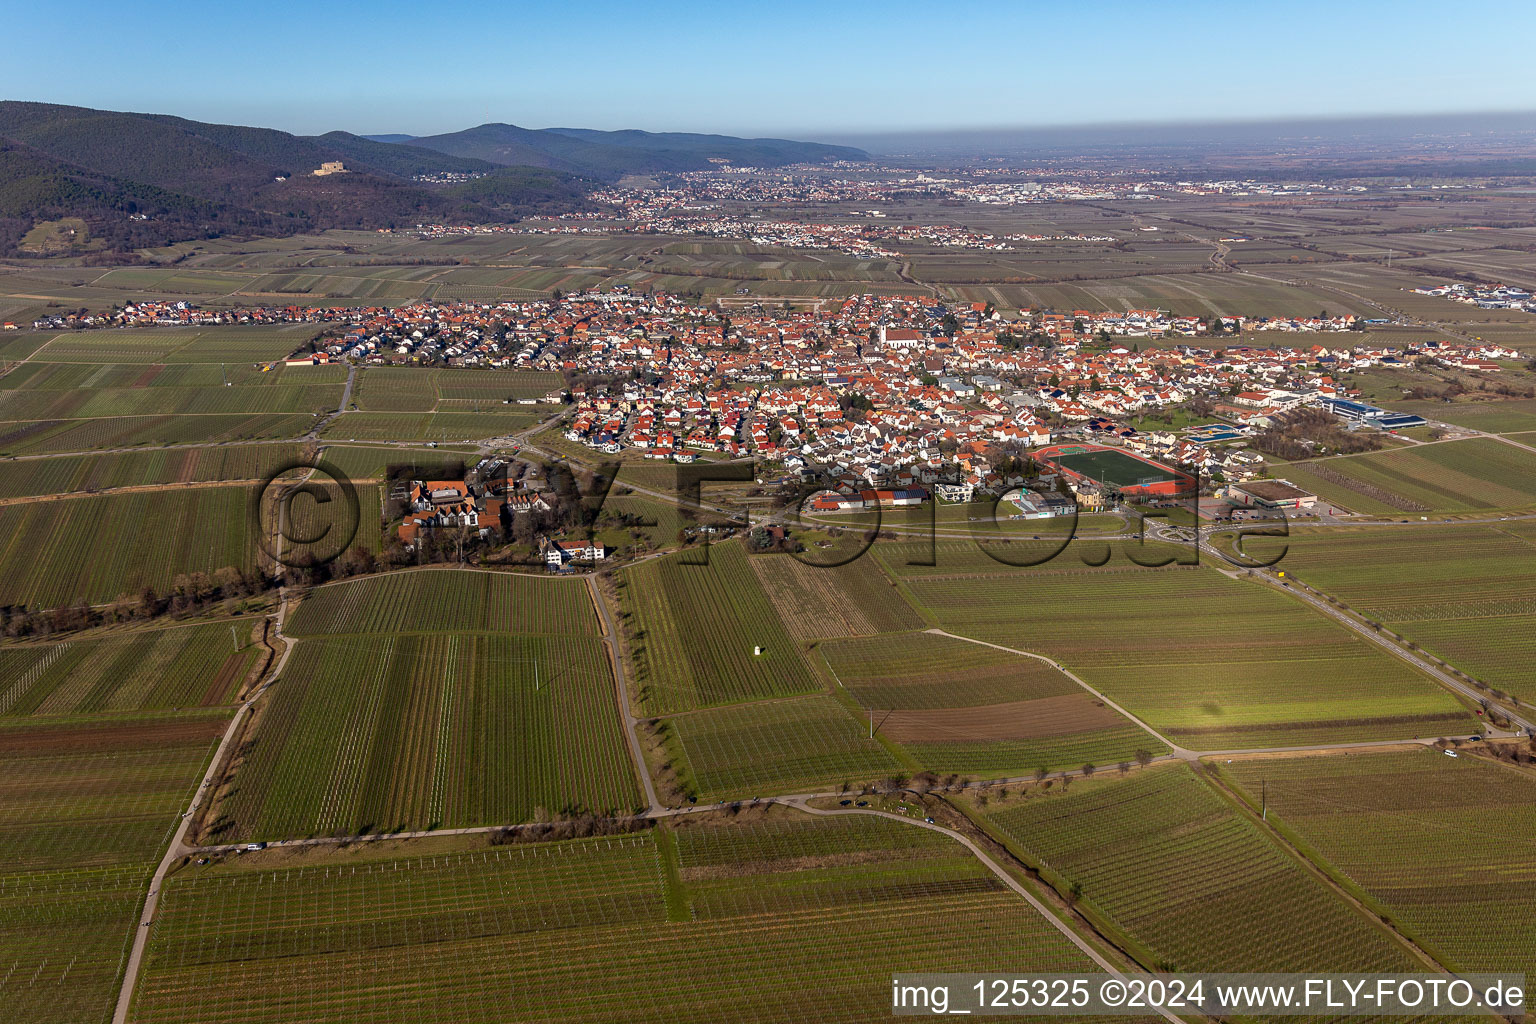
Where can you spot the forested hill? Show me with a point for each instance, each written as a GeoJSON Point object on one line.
{"type": "Point", "coordinates": [147, 179]}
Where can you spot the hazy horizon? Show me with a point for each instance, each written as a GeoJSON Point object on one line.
{"type": "Point", "coordinates": [808, 71]}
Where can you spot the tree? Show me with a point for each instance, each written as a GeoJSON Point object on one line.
{"type": "Point", "coordinates": [1088, 770]}
{"type": "Point", "coordinates": [1143, 757]}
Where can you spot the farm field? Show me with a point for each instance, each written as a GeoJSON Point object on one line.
{"type": "Point", "coordinates": [95, 549]}
{"type": "Point", "coordinates": [86, 805]}
{"type": "Point", "coordinates": [445, 425]}
{"type": "Point", "coordinates": [1151, 638]}
{"type": "Point", "coordinates": [138, 670]}
{"type": "Point", "coordinates": [793, 745]}
{"type": "Point", "coordinates": [1463, 592]}
{"type": "Point", "coordinates": [230, 343]}
{"type": "Point", "coordinates": [67, 474]}
{"type": "Point", "coordinates": [961, 708]}
{"type": "Point", "coordinates": [423, 731]}
{"type": "Point", "coordinates": [719, 912]}
{"type": "Point", "coordinates": [447, 601]}
{"type": "Point", "coordinates": [849, 600]}
{"type": "Point", "coordinates": [361, 462]}
{"type": "Point", "coordinates": [33, 437]}
{"type": "Point", "coordinates": [1478, 474]}
{"type": "Point", "coordinates": [1438, 841]}
{"type": "Point", "coordinates": [418, 389]}
{"type": "Point", "coordinates": [694, 629]}
{"type": "Point", "coordinates": [1199, 886]}
{"type": "Point", "coordinates": [1503, 417]}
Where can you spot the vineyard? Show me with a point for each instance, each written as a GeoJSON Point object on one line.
{"type": "Point", "coordinates": [1168, 860]}
{"type": "Point", "coordinates": [926, 670]}
{"type": "Point", "coordinates": [445, 601]}
{"type": "Point", "coordinates": [1477, 474]}
{"type": "Point", "coordinates": [98, 548]}
{"type": "Point", "coordinates": [30, 437]}
{"type": "Point", "coordinates": [183, 666]}
{"type": "Point", "coordinates": [417, 389]}
{"type": "Point", "coordinates": [569, 931]}
{"type": "Point", "coordinates": [1465, 593]}
{"type": "Point", "coordinates": [1444, 843]}
{"type": "Point", "coordinates": [962, 708]}
{"type": "Point", "coordinates": [242, 344]}
{"type": "Point", "coordinates": [850, 600]}
{"type": "Point", "coordinates": [777, 746]}
{"type": "Point", "coordinates": [1212, 662]}
{"type": "Point", "coordinates": [72, 473]}
{"type": "Point", "coordinates": [695, 630]}
{"type": "Point", "coordinates": [86, 805]}
{"type": "Point", "coordinates": [409, 732]}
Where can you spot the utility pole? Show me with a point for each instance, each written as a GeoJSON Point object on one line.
{"type": "Point", "coordinates": [1264, 799]}
{"type": "Point", "coordinates": [232, 638]}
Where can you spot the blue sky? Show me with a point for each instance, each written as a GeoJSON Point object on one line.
{"type": "Point", "coordinates": [784, 67]}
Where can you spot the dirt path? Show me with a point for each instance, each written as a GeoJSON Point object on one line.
{"type": "Point", "coordinates": [631, 723]}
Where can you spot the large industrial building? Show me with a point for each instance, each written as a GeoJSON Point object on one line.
{"type": "Point", "coordinates": [1270, 494]}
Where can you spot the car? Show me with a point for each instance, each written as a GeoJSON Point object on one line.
{"type": "Point", "coordinates": [255, 846]}
{"type": "Point", "coordinates": [844, 803]}
{"type": "Point", "coordinates": [928, 820]}
{"type": "Point", "coordinates": [863, 803]}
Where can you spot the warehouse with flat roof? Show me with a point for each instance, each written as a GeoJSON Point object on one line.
{"type": "Point", "coordinates": [1273, 494]}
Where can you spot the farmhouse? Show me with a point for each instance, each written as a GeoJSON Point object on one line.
{"type": "Point", "coordinates": [561, 552]}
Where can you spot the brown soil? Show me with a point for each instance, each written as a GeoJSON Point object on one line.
{"type": "Point", "coordinates": [1017, 720]}
{"type": "Point", "coordinates": [221, 684]}
{"type": "Point", "coordinates": [94, 739]}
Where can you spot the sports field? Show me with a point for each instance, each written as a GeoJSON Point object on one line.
{"type": "Point", "coordinates": [1439, 841]}
{"type": "Point", "coordinates": [700, 924]}
{"type": "Point", "coordinates": [1110, 467]}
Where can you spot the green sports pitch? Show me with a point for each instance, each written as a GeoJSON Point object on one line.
{"type": "Point", "coordinates": [1113, 468]}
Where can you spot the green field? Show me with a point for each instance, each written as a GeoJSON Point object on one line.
{"type": "Point", "coordinates": [95, 549]}
{"type": "Point", "coordinates": [693, 629]}
{"type": "Point", "coordinates": [1478, 474]}
{"type": "Point", "coordinates": [67, 474]}
{"type": "Point", "coordinates": [34, 437]}
{"type": "Point", "coordinates": [1441, 842]}
{"type": "Point", "coordinates": [1113, 468]}
{"type": "Point", "coordinates": [1211, 662]}
{"type": "Point", "coordinates": [86, 805]}
{"type": "Point", "coordinates": [1200, 887]}
{"type": "Point", "coordinates": [702, 925]}
{"type": "Point", "coordinates": [141, 670]}
{"type": "Point", "coordinates": [800, 744]}
{"type": "Point", "coordinates": [962, 708]}
{"type": "Point", "coordinates": [1465, 593]}
{"type": "Point", "coordinates": [447, 600]}
{"type": "Point", "coordinates": [412, 732]}
{"type": "Point", "coordinates": [847, 600]}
